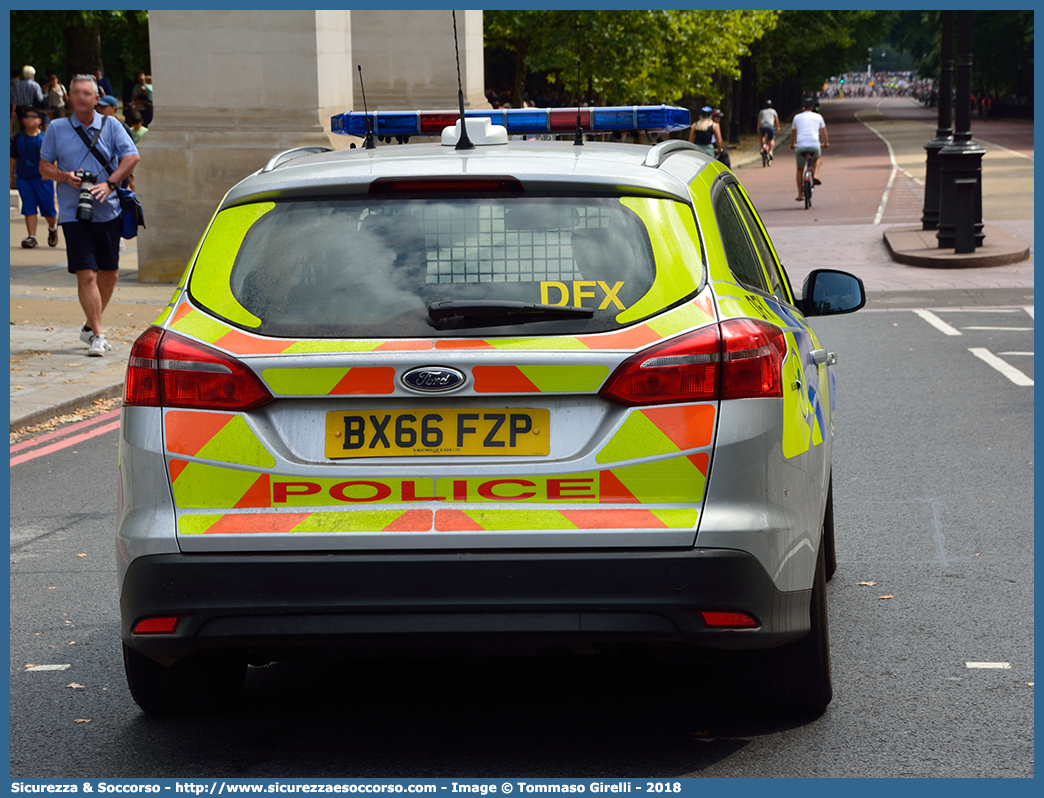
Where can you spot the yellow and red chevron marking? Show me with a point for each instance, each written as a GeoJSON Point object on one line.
{"type": "Point", "coordinates": [660, 430]}
{"type": "Point", "coordinates": [297, 523]}
{"type": "Point", "coordinates": [571, 378]}
{"type": "Point", "coordinates": [331, 381]}
{"type": "Point", "coordinates": [215, 436]}
{"type": "Point", "coordinates": [510, 520]}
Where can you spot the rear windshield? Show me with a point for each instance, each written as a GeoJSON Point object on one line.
{"type": "Point", "coordinates": [371, 267]}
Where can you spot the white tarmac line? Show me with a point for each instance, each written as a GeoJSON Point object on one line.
{"type": "Point", "coordinates": [48, 667]}
{"type": "Point", "coordinates": [1009, 371]}
{"type": "Point", "coordinates": [1029, 310]}
{"type": "Point", "coordinates": [976, 310]}
{"type": "Point", "coordinates": [1017, 329]}
{"type": "Point", "coordinates": [1027, 354]}
{"type": "Point", "coordinates": [936, 322]}
{"type": "Point", "coordinates": [998, 665]}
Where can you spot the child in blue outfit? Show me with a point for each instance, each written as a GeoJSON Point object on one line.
{"type": "Point", "coordinates": [36, 193]}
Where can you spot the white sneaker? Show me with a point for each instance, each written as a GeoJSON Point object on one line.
{"type": "Point", "coordinates": [86, 334]}
{"type": "Point", "coordinates": [123, 244]}
{"type": "Point", "coordinates": [99, 346]}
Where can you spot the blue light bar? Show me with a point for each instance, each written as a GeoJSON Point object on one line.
{"type": "Point", "coordinates": [517, 120]}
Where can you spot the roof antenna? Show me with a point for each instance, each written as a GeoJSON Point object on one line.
{"type": "Point", "coordinates": [578, 139]}
{"type": "Point", "coordinates": [464, 142]}
{"type": "Point", "coordinates": [368, 144]}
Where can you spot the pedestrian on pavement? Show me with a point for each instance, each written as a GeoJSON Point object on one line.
{"type": "Point", "coordinates": [27, 93]}
{"type": "Point", "coordinates": [92, 247]}
{"type": "Point", "coordinates": [56, 95]}
{"type": "Point", "coordinates": [104, 87]}
{"type": "Point", "coordinates": [768, 126]}
{"type": "Point", "coordinates": [702, 132]}
{"type": "Point", "coordinates": [142, 101]}
{"type": "Point", "coordinates": [107, 106]}
{"type": "Point", "coordinates": [808, 133]}
{"type": "Point", "coordinates": [137, 125]}
{"type": "Point", "coordinates": [36, 192]}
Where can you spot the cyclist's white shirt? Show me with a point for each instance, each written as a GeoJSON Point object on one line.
{"type": "Point", "coordinates": [807, 126]}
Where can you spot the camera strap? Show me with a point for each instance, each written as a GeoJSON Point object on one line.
{"type": "Point", "coordinates": [90, 142]}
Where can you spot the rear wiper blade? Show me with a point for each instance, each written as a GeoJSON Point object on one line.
{"type": "Point", "coordinates": [454, 314]}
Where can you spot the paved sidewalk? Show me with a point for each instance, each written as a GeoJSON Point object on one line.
{"type": "Point", "coordinates": [50, 371]}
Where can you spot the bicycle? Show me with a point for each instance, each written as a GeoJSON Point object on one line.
{"type": "Point", "coordinates": [766, 159]}
{"type": "Point", "coordinates": [807, 184]}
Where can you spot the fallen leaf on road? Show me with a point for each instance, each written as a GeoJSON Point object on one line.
{"type": "Point", "coordinates": [83, 720]}
{"type": "Point", "coordinates": [29, 665]}
{"type": "Point", "coordinates": [868, 584]}
{"type": "Point", "coordinates": [885, 597]}
{"type": "Point", "coordinates": [81, 555]}
{"type": "Point", "coordinates": [699, 734]}
{"type": "Point", "coordinates": [75, 686]}
{"type": "Point", "coordinates": [52, 587]}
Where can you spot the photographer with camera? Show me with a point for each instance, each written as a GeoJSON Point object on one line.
{"type": "Point", "coordinates": [88, 159]}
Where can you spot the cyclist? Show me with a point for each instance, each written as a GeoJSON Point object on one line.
{"type": "Point", "coordinates": [807, 132]}
{"type": "Point", "coordinates": [768, 124]}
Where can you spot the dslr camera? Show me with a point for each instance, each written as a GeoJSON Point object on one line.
{"type": "Point", "coordinates": [85, 204]}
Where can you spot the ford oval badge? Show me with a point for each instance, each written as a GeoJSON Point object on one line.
{"type": "Point", "coordinates": [433, 379]}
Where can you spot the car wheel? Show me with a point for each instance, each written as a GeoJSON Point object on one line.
{"type": "Point", "coordinates": [196, 684]}
{"type": "Point", "coordinates": [828, 532]}
{"type": "Point", "coordinates": [795, 678]}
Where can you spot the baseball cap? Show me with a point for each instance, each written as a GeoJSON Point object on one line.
{"type": "Point", "coordinates": [108, 99]}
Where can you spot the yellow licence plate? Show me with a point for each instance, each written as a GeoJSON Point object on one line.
{"type": "Point", "coordinates": [422, 433]}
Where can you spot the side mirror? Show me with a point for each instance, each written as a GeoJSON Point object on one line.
{"type": "Point", "coordinates": [827, 292]}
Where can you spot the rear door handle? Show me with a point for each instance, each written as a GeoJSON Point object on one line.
{"type": "Point", "coordinates": [820, 356]}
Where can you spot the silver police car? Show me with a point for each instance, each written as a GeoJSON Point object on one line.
{"type": "Point", "coordinates": [525, 394]}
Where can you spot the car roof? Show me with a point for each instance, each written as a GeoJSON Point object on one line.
{"type": "Point", "coordinates": [539, 166]}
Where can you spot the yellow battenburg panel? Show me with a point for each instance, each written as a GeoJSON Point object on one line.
{"type": "Point", "coordinates": [675, 480]}
{"type": "Point", "coordinates": [217, 254]}
{"type": "Point", "coordinates": [237, 443]}
{"type": "Point", "coordinates": [201, 326]}
{"type": "Point", "coordinates": [320, 347]}
{"type": "Point", "coordinates": [165, 313]}
{"type": "Point", "coordinates": [501, 520]}
{"type": "Point", "coordinates": [205, 487]}
{"type": "Point", "coordinates": [304, 382]}
{"type": "Point", "coordinates": [680, 319]}
{"type": "Point", "coordinates": [196, 524]}
{"type": "Point", "coordinates": [637, 437]}
{"type": "Point", "coordinates": [566, 379]}
{"type": "Point", "coordinates": [356, 521]}
{"type": "Point", "coordinates": [796, 430]}
{"type": "Point", "coordinates": [676, 250]}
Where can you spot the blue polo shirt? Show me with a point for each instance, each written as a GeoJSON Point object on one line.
{"type": "Point", "coordinates": [63, 146]}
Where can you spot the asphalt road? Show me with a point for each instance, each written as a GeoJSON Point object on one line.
{"type": "Point", "coordinates": [933, 484]}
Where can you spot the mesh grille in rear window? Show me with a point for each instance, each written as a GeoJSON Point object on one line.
{"type": "Point", "coordinates": [371, 267]}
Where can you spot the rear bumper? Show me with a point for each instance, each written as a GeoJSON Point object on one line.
{"type": "Point", "coordinates": [270, 602]}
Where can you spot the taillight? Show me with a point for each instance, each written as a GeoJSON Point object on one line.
{"type": "Point", "coordinates": [684, 369]}
{"type": "Point", "coordinates": [738, 359]}
{"type": "Point", "coordinates": [753, 359]}
{"type": "Point", "coordinates": [166, 370]}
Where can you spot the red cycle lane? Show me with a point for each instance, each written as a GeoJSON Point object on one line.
{"type": "Point", "coordinates": [854, 172]}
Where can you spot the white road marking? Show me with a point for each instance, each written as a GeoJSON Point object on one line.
{"type": "Point", "coordinates": [976, 310]}
{"type": "Point", "coordinates": [936, 322]}
{"type": "Point", "coordinates": [1009, 371]}
{"type": "Point", "coordinates": [884, 197]}
{"type": "Point", "coordinates": [1017, 329]}
{"type": "Point", "coordinates": [895, 168]}
{"type": "Point", "coordinates": [1029, 310]}
{"type": "Point", "coordinates": [1000, 147]}
{"type": "Point", "coordinates": [1028, 354]}
{"type": "Point", "coordinates": [998, 665]}
{"type": "Point", "coordinates": [48, 667]}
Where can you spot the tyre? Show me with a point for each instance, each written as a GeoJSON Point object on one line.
{"type": "Point", "coordinates": [807, 190]}
{"type": "Point", "coordinates": [795, 678]}
{"type": "Point", "coordinates": [830, 557]}
{"type": "Point", "coordinates": [764, 158]}
{"type": "Point", "coordinates": [196, 684]}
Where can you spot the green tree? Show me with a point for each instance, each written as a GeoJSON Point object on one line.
{"type": "Point", "coordinates": [72, 42]}
{"type": "Point", "coordinates": [631, 56]}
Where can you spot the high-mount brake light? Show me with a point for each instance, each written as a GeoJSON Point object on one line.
{"type": "Point", "coordinates": [166, 370]}
{"type": "Point", "coordinates": [684, 369]}
{"type": "Point", "coordinates": [444, 185]}
{"type": "Point", "coordinates": [517, 120]}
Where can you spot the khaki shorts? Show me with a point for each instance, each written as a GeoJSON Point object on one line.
{"type": "Point", "coordinates": [799, 153]}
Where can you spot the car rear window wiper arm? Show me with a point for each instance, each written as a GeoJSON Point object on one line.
{"type": "Point", "coordinates": [453, 314]}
